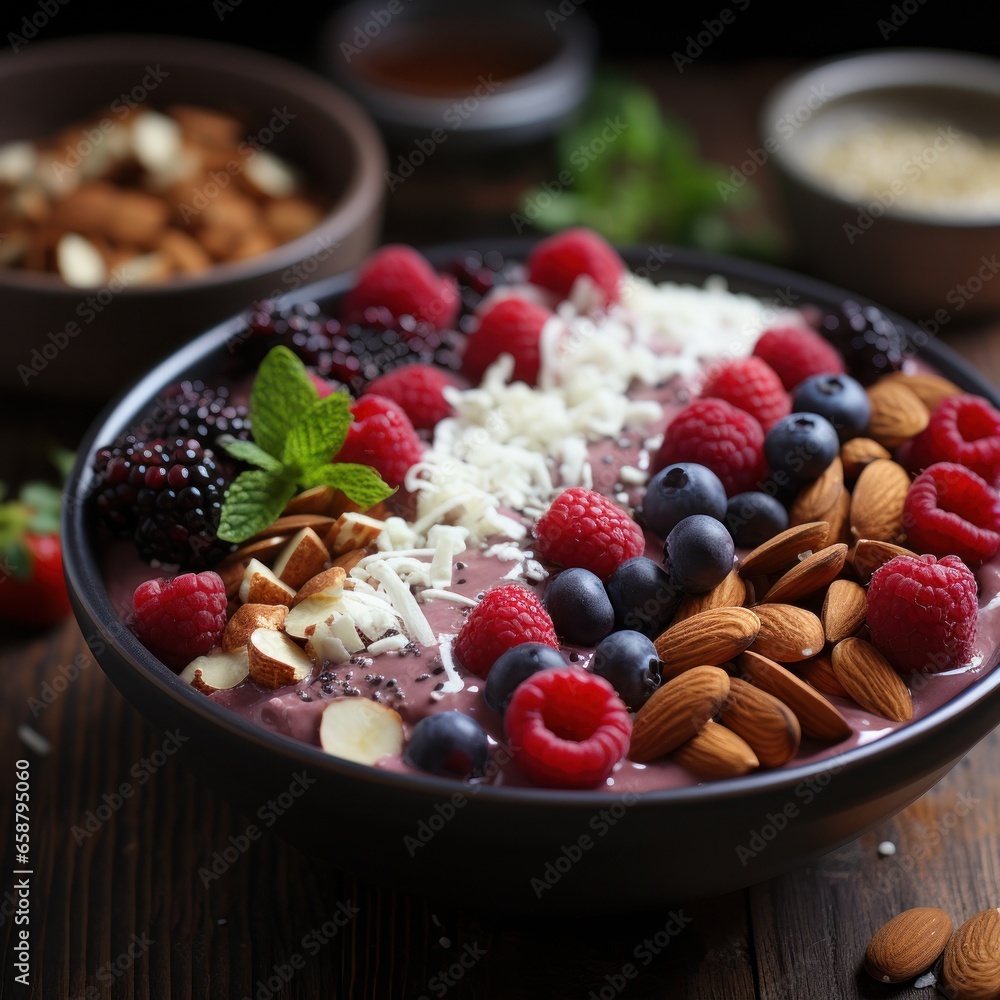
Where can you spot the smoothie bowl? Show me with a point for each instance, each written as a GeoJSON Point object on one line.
{"type": "Point", "coordinates": [623, 585]}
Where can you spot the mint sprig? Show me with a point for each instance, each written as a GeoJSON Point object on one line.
{"type": "Point", "coordinates": [295, 435]}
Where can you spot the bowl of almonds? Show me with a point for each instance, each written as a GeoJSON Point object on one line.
{"type": "Point", "coordinates": [148, 184]}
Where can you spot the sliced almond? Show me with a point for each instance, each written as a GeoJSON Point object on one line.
{"type": "Point", "coordinates": [971, 967]}
{"type": "Point", "coordinates": [818, 718]}
{"type": "Point", "coordinates": [275, 661]}
{"type": "Point", "coordinates": [289, 524]}
{"type": "Point", "coordinates": [731, 593]}
{"type": "Point", "coordinates": [261, 586]}
{"type": "Point", "coordinates": [768, 725]}
{"type": "Point", "coordinates": [329, 582]}
{"type": "Point", "coordinates": [301, 559]}
{"type": "Point", "coordinates": [353, 531]}
{"type": "Point", "coordinates": [907, 945]}
{"type": "Point", "coordinates": [262, 549]}
{"type": "Point", "coordinates": [218, 671]}
{"type": "Point", "coordinates": [787, 633]}
{"type": "Point", "coordinates": [844, 610]}
{"type": "Point", "coordinates": [716, 753]}
{"type": "Point", "coordinates": [302, 620]}
{"type": "Point", "coordinates": [781, 551]}
{"type": "Point", "coordinates": [877, 502]}
{"type": "Point", "coordinates": [859, 452]}
{"type": "Point", "coordinates": [930, 389]}
{"type": "Point", "coordinates": [869, 679]}
{"type": "Point", "coordinates": [818, 671]}
{"type": "Point", "coordinates": [247, 619]}
{"type": "Point", "coordinates": [897, 413]}
{"type": "Point", "coordinates": [709, 637]}
{"type": "Point", "coordinates": [814, 500]}
{"type": "Point", "coordinates": [335, 640]}
{"type": "Point", "coordinates": [360, 730]}
{"type": "Point", "coordinates": [867, 554]}
{"type": "Point", "coordinates": [676, 711]}
{"type": "Point", "coordinates": [316, 500]}
{"type": "Point", "coordinates": [811, 574]}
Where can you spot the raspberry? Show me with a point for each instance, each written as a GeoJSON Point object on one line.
{"type": "Point", "coordinates": [716, 434]}
{"type": "Point", "coordinates": [752, 385]}
{"type": "Point", "coordinates": [511, 326]}
{"type": "Point", "coordinates": [558, 261]}
{"type": "Point", "coordinates": [796, 352]}
{"type": "Point", "coordinates": [567, 728]}
{"type": "Point", "coordinates": [965, 430]}
{"type": "Point", "coordinates": [418, 391]}
{"type": "Point", "coordinates": [402, 281]}
{"type": "Point", "coordinates": [507, 616]}
{"type": "Point", "coordinates": [584, 528]}
{"type": "Point", "coordinates": [922, 612]}
{"type": "Point", "coordinates": [381, 436]}
{"type": "Point", "coordinates": [182, 618]}
{"type": "Point", "coordinates": [949, 510]}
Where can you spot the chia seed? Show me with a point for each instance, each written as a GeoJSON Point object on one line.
{"type": "Point", "coordinates": [423, 677]}
{"type": "Point", "coordinates": [439, 685]}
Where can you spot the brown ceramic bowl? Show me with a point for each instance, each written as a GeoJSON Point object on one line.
{"type": "Point", "coordinates": [62, 341]}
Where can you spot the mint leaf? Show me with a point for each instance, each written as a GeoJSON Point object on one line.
{"type": "Point", "coordinates": [253, 502]}
{"type": "Point", "coordinates": [319, 433]}
{"type": "Point", "coordinates": [247, 451]}
{"type": "Point", "coordinates": [360, 483]}
{"type": "Point", "coordinates": [282, 393]}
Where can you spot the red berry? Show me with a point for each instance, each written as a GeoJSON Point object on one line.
{"type": "Point", "coordinates": [796, 353]}
{"type": "Point", "coordinates": [418, 389]}
{"type": "Point", "coordinates": [567, 728]}
{"type": "Point", "coordinates": [752, 385]}
{"type": "Point", "coordinates": [963, 429]}
{"type": "Point", "coordinates": [399, 279]}
{"type": "Point", "coordinates": [949, 510]}
{"type": "Point", "coordinates": [182, 618]}
{"type": "Point", "coordinates": [506, 616]}
{"type": "Point", "coordinates": [511, 326]}
{"type": "Point", "coordinates": [718, 435]}
{"type": "Point", "coordinates": [584, 528]}
{"type": "Point", "coordinates": [381, 436]}
{"type": "Point", "coordinates": [558, 261]}
{"type": "Point", "coordinates": [922, 612]}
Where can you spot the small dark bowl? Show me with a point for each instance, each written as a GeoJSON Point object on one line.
{"type": "Point", "coordinates": [114, 338]}
{"type": "Point", "coordinates": [512, 848]}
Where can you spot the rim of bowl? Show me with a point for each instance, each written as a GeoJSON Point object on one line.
{"type": "Point", "coordinates": [362, 194]}
{"type": "Point", "coordinates": [553, 89]}
{"type": "Point", "coordinates": [88, 590]}
{"type": "Point", "coordinates": [870, 72]}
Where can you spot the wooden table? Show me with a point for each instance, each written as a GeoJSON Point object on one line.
{"type": "Point", "coordinates": [123, 912]}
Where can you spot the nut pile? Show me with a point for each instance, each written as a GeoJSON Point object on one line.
{"type": "Point", "coordinates": [138, 196]}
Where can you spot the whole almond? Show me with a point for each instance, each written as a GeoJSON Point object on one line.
{"type": "Point", "coordinates": [787, 633]}
{"type": "Point", "coordinates": [708, 637]}
{"type": "Point", "coordinates": [897, 413]}
{"type": "Point", "coordinates": [818, 672]}
{"type": "Point", "coordinates": [731, 593]}
{"type": "Point", "coordinates": [869, 679]}
{"type": "Point", "coordinates": [838, 517]}
{"type": "Point", "coordinates": [676, 711]}
{"type": "Point", "coordinates": [867, 554]}
{"type": "Point", "coordinates": [971, 968]}
{"type": "Point", "coordinates": [844, 609]}
{"type": "Point", "coordinates": [930, 389]}
{"type": "Point", "coordinates": [781, 551]}
{"type": "Point", "coordinates": [859, 452]}
{"type": "Point", "coordinates": [815, 499]}
{"type": "Point", "coordinates": [715, 753]}
{"type": "Point", "coordinates": [877, 502]}
{"type": "Point", "coordinates": [907, 945]}
{"type": "Point", "coordinates": [768, 725]}
{"type": "Point", "coordinates": [811, 574]}
{"type": "Point", "coordinates": [817, 716]}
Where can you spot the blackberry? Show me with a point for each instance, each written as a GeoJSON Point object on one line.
{"type": "Point", "coordinates": [165, 494]}
{"type": "Point", "coordinates": [871, 343]}
{"type": "Point", "coordinates": [192, 410]}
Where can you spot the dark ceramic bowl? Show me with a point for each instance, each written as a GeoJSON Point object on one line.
{"type": "Point", "coordinates": [96, 350]}
{"type": "Point", "coordinates": [585, 851]}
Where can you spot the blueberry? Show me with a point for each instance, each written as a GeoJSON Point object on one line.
{"type": "Point", "coordinates": [800, 446]}
{"type": "Point", "coordinates": [448, 743]}
{"type": "Point", "coordinates": [698, 553]}
{"type": "Point", "coordinates": [839, 398]}
{"type": "Point", "coordinates": [579, 607]}
{"type": "Point", "coordinates": [753, 518]}
{"type": "Point", "coordinates": [642, 596]}
{"type": "Point", "coordinates": [515, 666]}
{"type": "Point", "coordinates": [678, 491]}
{"type": "Point", "coordinates": [629, 662]}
